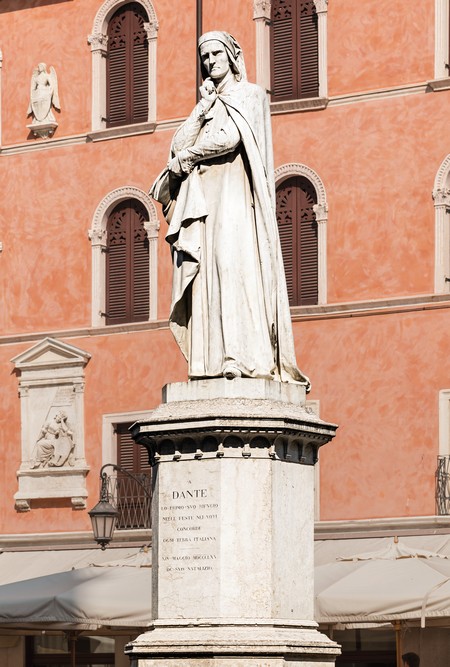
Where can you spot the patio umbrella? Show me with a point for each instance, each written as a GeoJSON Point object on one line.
{"type": "Point", "coordinates": [392, 584]}
{"type": "Point", "coordinates": [116, 594]}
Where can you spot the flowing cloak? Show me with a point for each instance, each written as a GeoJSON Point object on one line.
{"type": "Point", "coordinates": [246, 104]}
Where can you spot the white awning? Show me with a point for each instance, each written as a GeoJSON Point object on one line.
{"type": "Point", "coordinates": [380, 580]}
{"type": "Point", "coordinates": [101, 595]}
{"type": "Point", "coordinates": [20, 565]}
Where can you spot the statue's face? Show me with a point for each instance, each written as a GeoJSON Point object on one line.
{"type": "Point", "coordinates": [215, 59]}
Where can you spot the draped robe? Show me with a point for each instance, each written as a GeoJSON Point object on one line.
{"type": "Point", "coordinates": [229, 297]}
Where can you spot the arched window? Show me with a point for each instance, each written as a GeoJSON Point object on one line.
{"type": "Point", "coordinates": [294, 49]}
{"type": "Point", "coordinates": [296, 198]}
{"type": "Point", "coordinates": [127, 67]}
{"type": "Point", "coordinates": [124, 237]}
{"type": "Point", "coordinates": [127, 277]}
{"type": "Point", "coordinates": [123, 45]}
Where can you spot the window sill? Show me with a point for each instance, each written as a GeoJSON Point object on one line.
{"type": "Point", "coordinates": [308, 104]}
{"type": "Point", "coordinates": [438, 84]}
{"type": "Point", "coordinates": [122, 131]}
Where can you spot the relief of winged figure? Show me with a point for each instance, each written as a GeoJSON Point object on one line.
{"type": "Point", "coordinates": [43, 95]}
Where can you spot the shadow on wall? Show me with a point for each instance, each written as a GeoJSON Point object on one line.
{"type": "Point", "coordinates": [11, 5]}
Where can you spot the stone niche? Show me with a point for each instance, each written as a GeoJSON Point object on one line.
{"type": "Point", "coordinates": [51, 390]}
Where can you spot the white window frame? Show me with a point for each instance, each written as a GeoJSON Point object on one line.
{"type": "Point", "coordinates": [98, 40]}
{"type": "Point", "coordinates": [261, 16]}
{"type": "Point", "coordinates": [98, 237]}
{"type": "Point", "coordinates": [321, 212]}
{"type": "Point", "coordinates": [441, 197]}
{"type": "Point", "coordinates": [441, 41]}
{"type": "Point", "coordinates": [109, 423]}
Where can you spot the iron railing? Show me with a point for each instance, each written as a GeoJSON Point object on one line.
{"type": "Point", "coordinates": [443, 485]}
{"type": "Point", "coordinates": [131, 494]}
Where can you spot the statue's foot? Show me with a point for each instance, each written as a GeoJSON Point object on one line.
{"type": "Point", "coordinates": [231, 372]}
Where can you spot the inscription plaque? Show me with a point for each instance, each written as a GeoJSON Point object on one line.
{"type": "Point", "coordinates": [188, 542]}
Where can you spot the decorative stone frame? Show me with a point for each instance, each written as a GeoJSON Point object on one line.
{"type": "Point", "coordinates": [98, 41]}
{"type": "Point", "coordinates": [109, 448]}
{"type": "Point", "coordinates": [97, 235]}
{"type": "Point", "coordinates": [441, 197]}
{"type": "Point", "coordinates": [51, 380]}
{"type": "Point", "coordinates": [441, 40]}
{"type": "Point", "coordinates": [261, 17]}
{"type": "Point", "coordinates": [1, 65]}
{"type": "Point", "coordinates": [321, 212]}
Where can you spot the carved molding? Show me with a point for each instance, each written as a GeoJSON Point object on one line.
{"type": "Point", "coordinates": [110, 6]}
{"type": "Point", "coordinates": [321, 6]}
{"type": "Point", "coordinates": [441, 197]}
{"type": "Point", "coordinates": [98, 42]}
{"type": "Point", "coordinates": [262, 9]}
{"type": "Point", "coordinates": [442, 180]}
{"type": "Point", "coordinates": [253, 429]}
{"type": "Point", "coordinates": [98, 229]}
{"type": "Point", "coordinates": [298, 169]}
{"type": "Point", "coordinates": [151, 28]}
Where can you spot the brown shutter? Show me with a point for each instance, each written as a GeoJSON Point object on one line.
{"type": "Point", "coordinates": [284, 53]}
{"type": "Point", "coordinates": [132, 501]}
{"type": "Point", "coordinates": [130, 456]}
{"type": "Point", "coordinates": [295, 50]}
{"type": "Point", "coordinates": [308, 83]}
{"type": "Point", "coordinates": [298, 235]}
{"type": "Point", "coordinates": [127, 67]}
{"type": "Point", "coordinates": [127, 264]}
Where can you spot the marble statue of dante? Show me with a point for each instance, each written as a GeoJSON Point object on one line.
{"type": "Point", "coordinates": [230, 311]}
{"type": "Point", "coordinates": [43, 94]}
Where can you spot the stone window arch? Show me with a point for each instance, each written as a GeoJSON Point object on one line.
{"type": "Point", "coordinates": [98, 237]}
{"type": "Point", "coordinates": [320, 208]}
{"type": "Point", "coordinates": [441, 197]}
{"type": "Point", "coordinates": [99, 48]}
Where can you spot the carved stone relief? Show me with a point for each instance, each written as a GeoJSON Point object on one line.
{"type": "Point", "coordinates": [43, 98]}
{"type": "Point", "coordinates": [51, 390]}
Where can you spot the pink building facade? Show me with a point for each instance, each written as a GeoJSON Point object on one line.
{"type": "Point", "coordinates": [373, 141]}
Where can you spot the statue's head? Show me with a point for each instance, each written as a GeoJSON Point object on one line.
{"type": "Point", "coordinates": [218, 42]}
{"type": "Point", "coordinates": [42, 67]}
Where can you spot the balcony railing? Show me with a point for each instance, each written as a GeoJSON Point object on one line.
{"type": "Point", "coordinates": [132, 497]}
{"type": "Point", "coordinates": [443, 485]}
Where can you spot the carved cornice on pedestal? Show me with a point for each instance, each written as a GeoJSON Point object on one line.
{"type": "Point", "coordinates": [236, 428]}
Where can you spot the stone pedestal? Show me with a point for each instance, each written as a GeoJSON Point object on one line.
{"type": "Point", "coordinates": [233, 527]}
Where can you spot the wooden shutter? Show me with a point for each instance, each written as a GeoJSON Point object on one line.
{"type": "Point", "coordinates": [127, 264]}
{"type": "Point", "coordinates": [297, 226]}
{"type": "Point", "coordinates": [127, 67]}
{"type": "Point", "coordinates": [294, 50]}
{"type": "Point", "coordinates": [130, 456]}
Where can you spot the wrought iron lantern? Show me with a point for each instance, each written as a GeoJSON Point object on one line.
{"type": "Point", "coordinates": [105, 514]}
